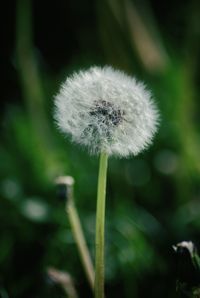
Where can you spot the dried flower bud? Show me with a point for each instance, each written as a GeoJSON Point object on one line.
{"type": "Point", "coordinates": [106, 110]}
{"type": "Point", "coordinates": [64, 187]}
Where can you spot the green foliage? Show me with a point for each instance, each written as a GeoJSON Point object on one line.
{"type": "Point", "coordinates": [152, 200]}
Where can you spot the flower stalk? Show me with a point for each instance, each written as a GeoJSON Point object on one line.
{"type": "Point", "coordinates": [80, 241]}
{"type": "Point", "coordinates": [100, 226]}
{"type": "Point", "coordinates": [77, 230]}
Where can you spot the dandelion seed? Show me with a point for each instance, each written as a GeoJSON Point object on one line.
{"type": "Point", "coordinates": [106, 111]}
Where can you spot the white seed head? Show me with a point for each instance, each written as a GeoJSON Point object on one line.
{"type": "Point", "coordinates": [106, 110]}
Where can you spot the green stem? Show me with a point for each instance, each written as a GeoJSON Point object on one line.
{"type": "Point", "coordinates": [100, 223]}
{"type": "Point", "coordinates": [80, 241]}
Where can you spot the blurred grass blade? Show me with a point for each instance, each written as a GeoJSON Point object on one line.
{"type": "Point", "coordinates": [33, 91]}
{"type": "Point", "coordinates": [27, 67]}
{"type": "Point", "coordinates": [150, 50]}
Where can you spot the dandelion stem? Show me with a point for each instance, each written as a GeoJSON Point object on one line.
{"type": "Point", "coordinates": [79, 237]}
{"type": "Point", "coordinates": [81, 243]}
{"type": "Point", "coordinates": [100, 223]}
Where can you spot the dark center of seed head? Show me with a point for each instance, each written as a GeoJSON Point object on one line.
{"type": "Point", "coordinates": [107, 113]}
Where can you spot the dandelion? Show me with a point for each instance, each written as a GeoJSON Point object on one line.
{"type": "Point", "coordinates": [106, 111]}
{"type": "Point", "coordinates": [110, 113]}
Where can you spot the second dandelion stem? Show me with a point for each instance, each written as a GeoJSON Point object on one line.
{"type": "Point", "coordinates": [81, 243]}
{"type": "Point", "coordinates": [100, 223]}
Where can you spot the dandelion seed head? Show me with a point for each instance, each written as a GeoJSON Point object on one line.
{"type": "Point", "coordinates": [106, 110]}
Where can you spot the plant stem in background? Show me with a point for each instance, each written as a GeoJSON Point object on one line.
{"type": "Point", "coordinates": [80, 241]}
{"type": "Point", "coordinates": [77, 229]}
{"type": "Point", "coordinates": [100, 223]}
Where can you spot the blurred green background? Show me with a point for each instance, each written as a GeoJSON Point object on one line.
{"type": "Point", "coordinates": [153, 200]}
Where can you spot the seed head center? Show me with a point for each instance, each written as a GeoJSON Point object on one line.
{"type": "Point", "coordinates": [107, 113]}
